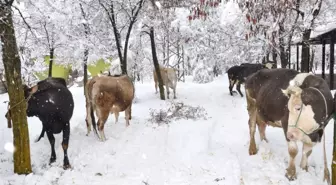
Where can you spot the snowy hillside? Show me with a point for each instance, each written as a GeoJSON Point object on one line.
{"type": "Point", "coordinates": [203, 152]}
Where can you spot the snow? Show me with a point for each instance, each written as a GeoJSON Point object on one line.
{"type": "Point", "coordinates": [212, 151]}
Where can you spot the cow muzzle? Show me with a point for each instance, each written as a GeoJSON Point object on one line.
{"type": "Point", "coordinates": [293, 135]}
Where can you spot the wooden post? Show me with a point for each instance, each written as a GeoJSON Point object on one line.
{"type": "Point", "coordinates": [323, 59]}
{"type": "Point", "coordinates": [332, 61]}
{"type": "Point", "coordinates": [297, 57]}
{"type": "Point", "coordinates": [289, 57]}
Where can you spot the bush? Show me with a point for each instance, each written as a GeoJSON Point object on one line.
{"type": "Point", "coordinates": [202, 74]}
{"type": "Point", "coordinates": [177, 111]}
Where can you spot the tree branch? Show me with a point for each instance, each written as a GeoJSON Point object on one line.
{"type": "Point", "coordinates": [299, 12]}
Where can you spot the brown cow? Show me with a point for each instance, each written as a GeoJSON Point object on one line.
{"type": "Point", "coordinates": [105, 94]}
{"type": "Point", "coordinates": [169, 79]}
{"type": "Point", "coordinates": [300, 103]}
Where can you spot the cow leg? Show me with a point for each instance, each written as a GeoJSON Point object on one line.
{"type": "Point", "coordinates": [232, 82]}
{"type": "Point", "coordinates": [156, 86]}
{"type": "Point", "coordinates": [252, 126]}
{"type": "Point", "coordinates": [103, 115]}
{"type": "Point", "coordinates": [238, 89]}
{"type": "Point", "coordinates": [167, 89]}
{"type": "Point", "coordinates": [41, 135]}
{"type": "Point", "coordinates": [88, 118]}
{"type": "Point", "coordinates": [174, 90]}
{"type": "Point", "coordinates": [116, 115]}
{"type": "Point", "coordinates": [116, 111]}
{"type": "Point", "coordinates": [292, 150]}
{"type": "Point", "coordinates": [252, 111]}
{"type": "Point", "coordinates": [65, 144]}
{"type": "Point", "coordinates": [52, 144]}
{"type": "Point", "coordinates": [262, 129]}
{"type": "Point", "coordinates": [128, 113]}
{"type": "Point", "coordinates": [306, 151]}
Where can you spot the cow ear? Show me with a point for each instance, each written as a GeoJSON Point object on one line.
{"type": "Point", "coordinates": [34, 89]}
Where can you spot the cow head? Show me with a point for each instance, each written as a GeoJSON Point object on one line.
{"type": "Point", "coordinates": [307, 113]}
{"type": "Point", "coordinates": [28, 94]}
{"type": "Point", "coordinates": [29, 90]}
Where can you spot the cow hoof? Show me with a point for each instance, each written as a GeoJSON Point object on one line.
{"type": "Point", "coordinates": [52, 160]}
{"type": "Point", "coordinates": [264, 139]}
{"type": "Point", "coordinates": [304, 168]}
{"type": "Point", "coordinates": [291, 174]}
{"type": "Point", "coordinates": [252, 149]}
{"type": "Point", "coordinates": [253, 152]}
{"type": "Point", "coordinates": [67, 166]}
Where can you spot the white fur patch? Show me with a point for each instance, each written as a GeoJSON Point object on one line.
{"type": "Point", "coordinates": [269, 65]}
{"type": "Point", "coordinates": [298, 79]}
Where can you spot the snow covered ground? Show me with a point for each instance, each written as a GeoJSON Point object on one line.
{"type": "Point", "coordinates": [204, 152]}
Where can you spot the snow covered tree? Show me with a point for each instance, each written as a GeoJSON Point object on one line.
{"type": "Point", "coordinates": [128, 10]}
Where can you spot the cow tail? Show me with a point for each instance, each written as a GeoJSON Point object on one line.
{"type": "Point", "coordinates": [89, 101]}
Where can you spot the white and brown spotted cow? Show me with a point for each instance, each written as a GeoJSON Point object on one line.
{"type": "Point", "coordinates": [169, 79]}
{"type": "Point", "coordinates": [300, 103]}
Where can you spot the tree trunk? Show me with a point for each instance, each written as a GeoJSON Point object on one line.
{"type": "Point", "coordinates": [12, 64]}
{"type": "Point", "coordinates": [333, 163]}
{"type": "Point", "coordinates": [283, 58]}
{"type": "Point", "coordinates": [291, 32]}
{"type": "Point", "coordinates": [133, 20]}
{"type": "Point", "coordinates": [117, 39]}
{"type": "Point", "coordinates": [311, 61]}
{"type": "Point", "coordinates": [85, 79]}
{"type": "Point", "coordinates": [51, 61]}
{"type": "Point", "coordinates": [86, 51]}
{"type": "Point", "coordinates": [156, 64]}
{"type": "Point", "coordinates": [305, 38]}
{"type": "Point", "coordinates": [305, 53]}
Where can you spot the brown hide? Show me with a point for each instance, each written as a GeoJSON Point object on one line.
{"type": "Point", "coordinates": [108, 94]}
{"type": "Point", "coordinates": [265, 87]}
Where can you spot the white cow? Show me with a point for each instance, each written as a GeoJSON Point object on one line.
{"type": "Point", "coordinates": [169, 78]}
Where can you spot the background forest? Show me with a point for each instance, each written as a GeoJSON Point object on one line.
{"type": "Point", "coordinates": [201, 38]}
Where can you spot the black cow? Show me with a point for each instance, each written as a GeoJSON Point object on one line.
{"type": "Point", "coordinates": [52, 102]}
{"type": "Point", "coordinates": [238, 74]}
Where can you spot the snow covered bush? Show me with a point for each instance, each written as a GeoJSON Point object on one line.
{"type": "Point", "coordinates": [202, 74]}
{"type": "Point", "coordinates": [177, 111]}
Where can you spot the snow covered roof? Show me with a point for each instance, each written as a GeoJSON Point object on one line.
{"type": "Point", "coordinates": [319, 35]}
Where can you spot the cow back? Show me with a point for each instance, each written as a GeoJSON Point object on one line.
{"type": "Point", "coordinates": [52, 99]}
{"type": "Point", "coordinates": [110, 90]}
{"type": "Point", "coordinates": [265, 86]}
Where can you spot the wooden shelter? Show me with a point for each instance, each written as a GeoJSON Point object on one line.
{"type": "Point", "coordinates": [326, 38]}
